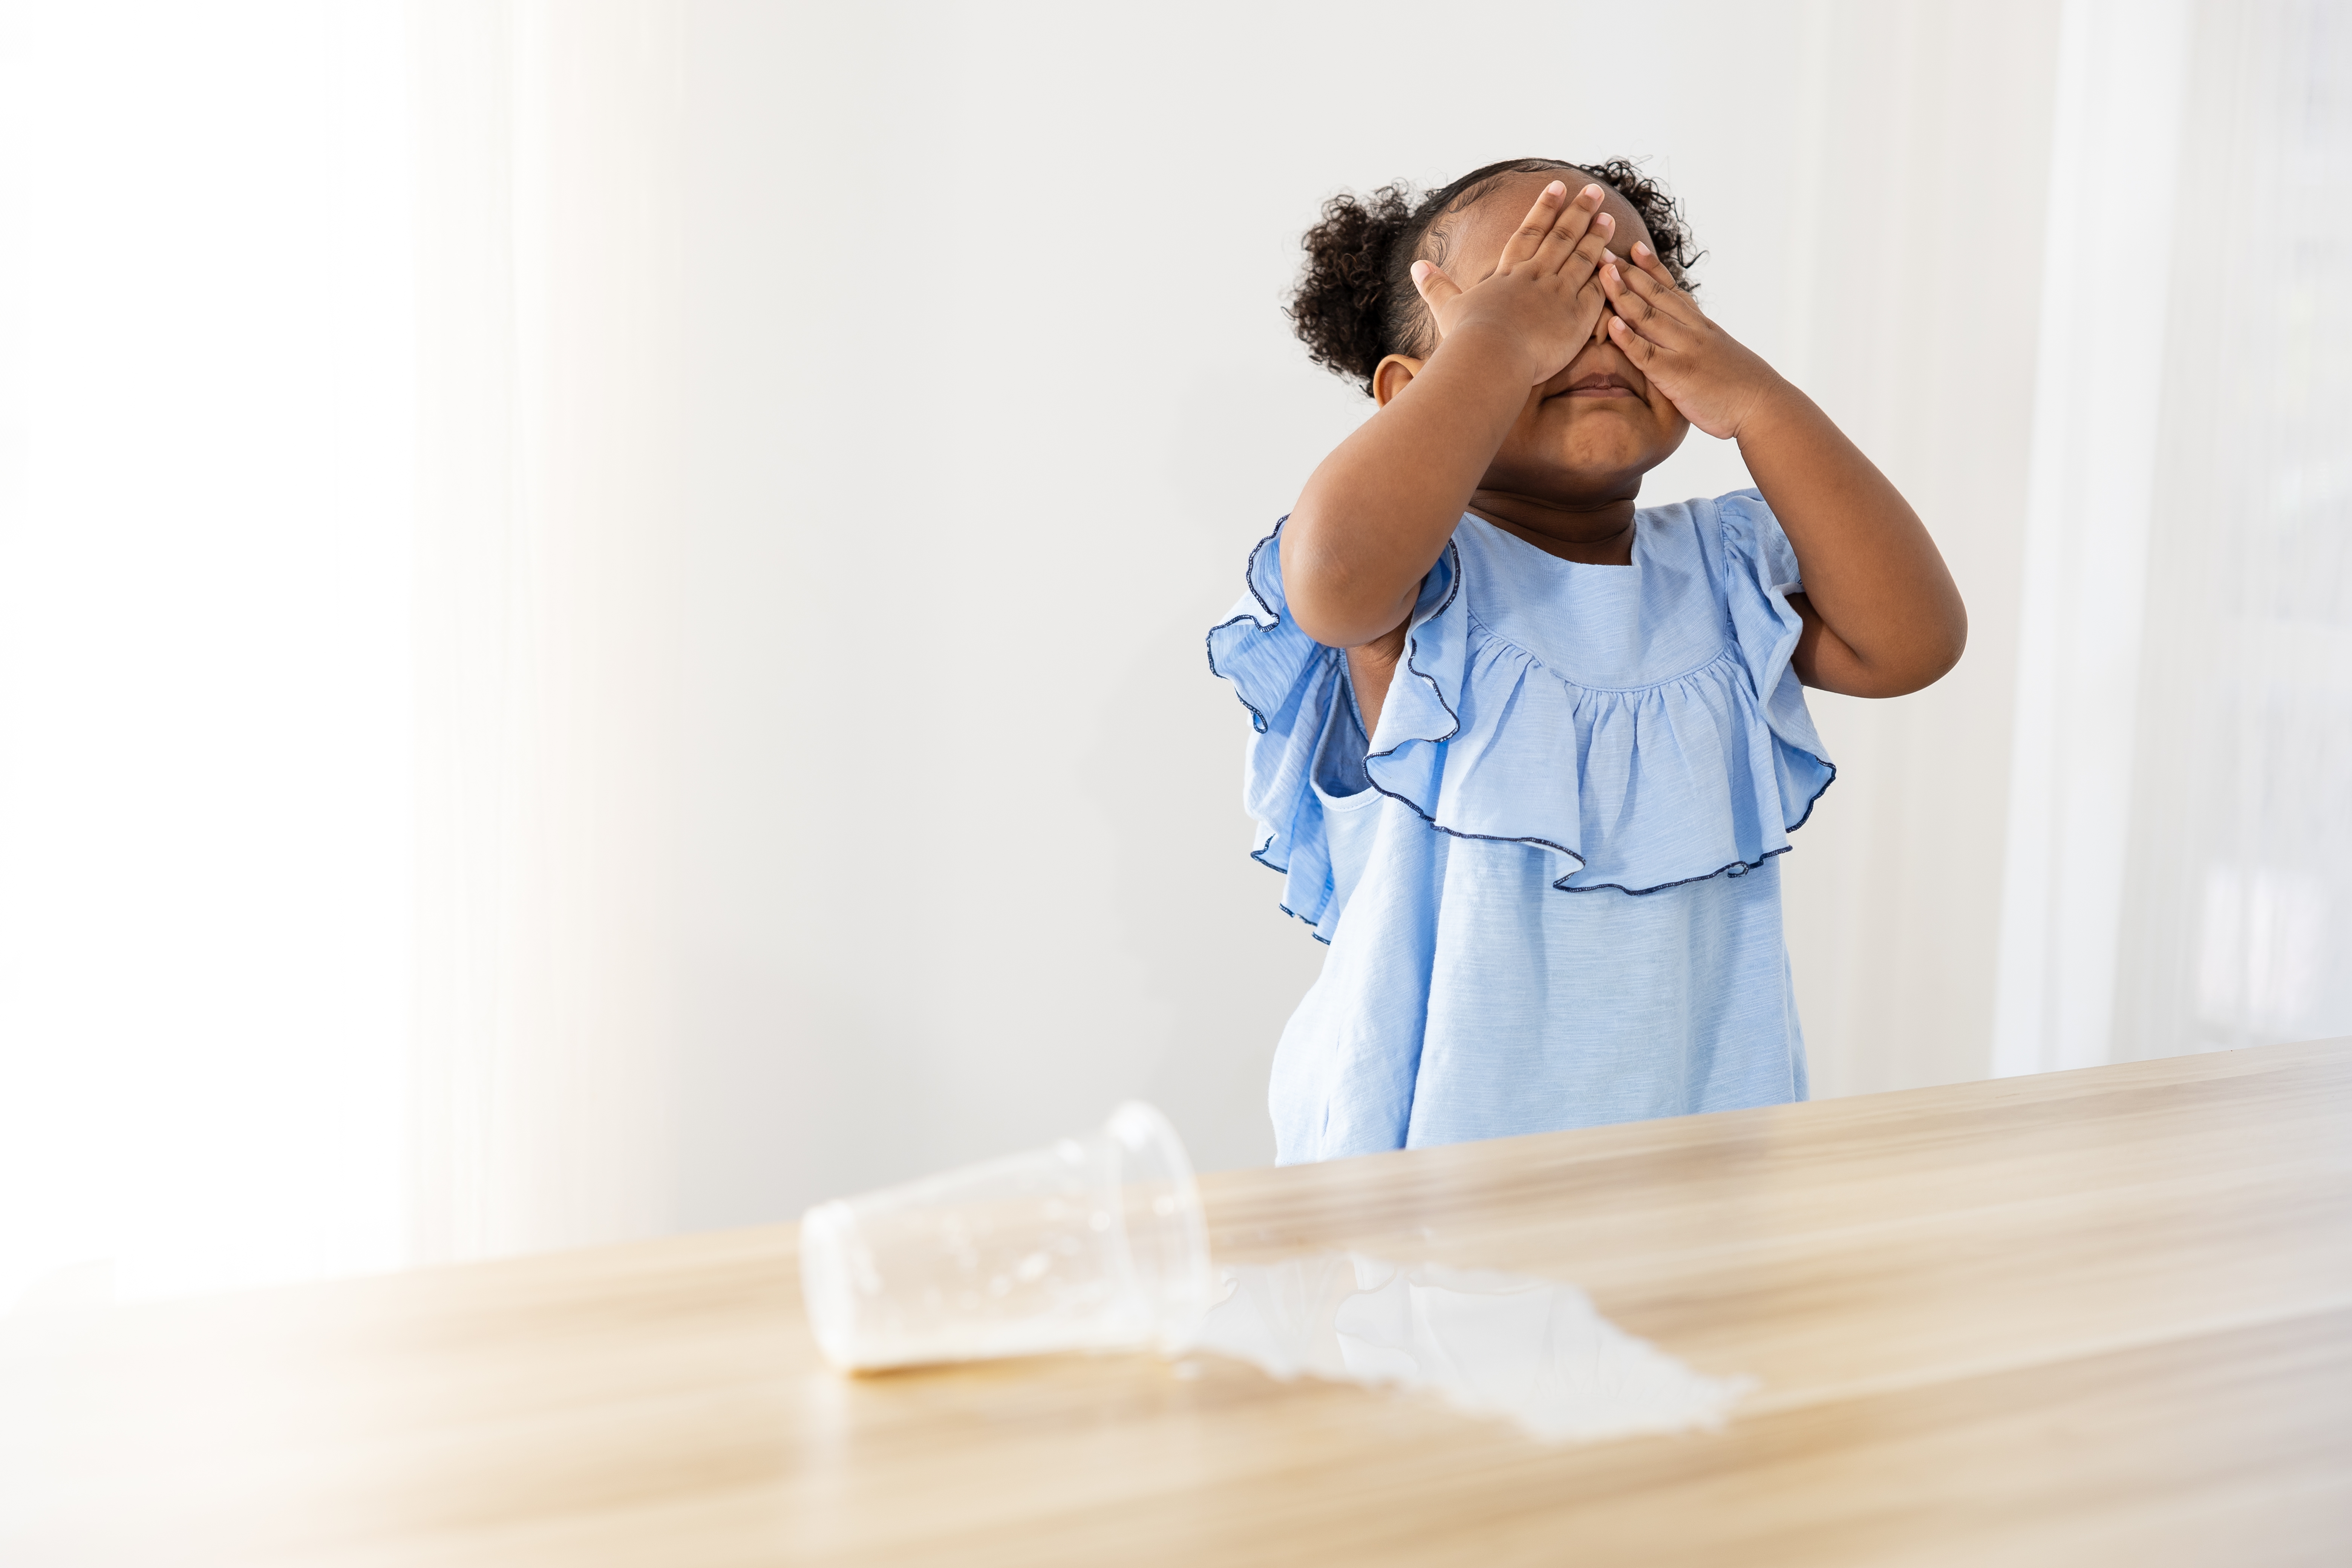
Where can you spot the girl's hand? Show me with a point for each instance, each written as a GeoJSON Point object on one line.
{"type": "Point", "coordinates": [1714, 379]}
{"type": "Point", "coordinates": [1881, 614]}
{"type": "Point", "coordinates": [1542, 297]}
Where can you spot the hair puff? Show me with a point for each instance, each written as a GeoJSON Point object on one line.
{"type": "Point", "coordinates": [1355, 303]}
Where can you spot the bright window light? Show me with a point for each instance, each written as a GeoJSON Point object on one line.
{"type": "Point", "coordinates": [205, 644]}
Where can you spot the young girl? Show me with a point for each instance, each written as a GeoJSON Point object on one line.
{"type": "Point", "coordinates": [1523, 753]}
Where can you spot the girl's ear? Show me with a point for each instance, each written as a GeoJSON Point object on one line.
{"type": "Point", "coordinates": [1392, 375]}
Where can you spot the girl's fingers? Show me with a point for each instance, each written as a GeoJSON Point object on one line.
{"type": "Point", "coordinates": [1648, 276]}
{"type": "Point", "coordinates": [1435, 288]}
{"type": "Point", "coordinates": [1632, 344]}
{"type": "Point", "coordinates": [1548, 208]}
{"type": "Point", "coordinates": [1649, 262]}
{"type": "Point", "coordinates": [1594, 248]}
{"type": "Point", "coordinates": [1636, 300]}
{"type": "Point", "coordinates": [1576, 222]}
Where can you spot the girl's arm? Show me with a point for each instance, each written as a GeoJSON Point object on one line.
{"type": "Point", "coordinates": [1377, 514]}
{"type": "Point", "coordinates": [1882, 615]}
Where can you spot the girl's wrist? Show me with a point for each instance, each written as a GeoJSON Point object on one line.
{"type": "Point", "coordinates": [1776, 403]}
{"type": "Point", "coordinates": [1493, 350]}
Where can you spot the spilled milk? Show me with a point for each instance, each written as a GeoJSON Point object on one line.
{"type": "Point", "coordinates": [1531, 1351]}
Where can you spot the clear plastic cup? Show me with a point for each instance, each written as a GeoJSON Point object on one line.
{"type": "Point", "coordinates": [1091, 1244]}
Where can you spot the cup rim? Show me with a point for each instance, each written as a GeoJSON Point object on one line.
{"type": "Point", "coordinates": [1176, 1314]}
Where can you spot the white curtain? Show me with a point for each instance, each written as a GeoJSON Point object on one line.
{"type": "Point", "coordinates": [2178, 848]}
{"type": "Point", "coordinates": [2238, 891]}
{"type": "Point", "coordinates": [1919, 136]}
{"type": "Point", "coordinates": [548, 181]}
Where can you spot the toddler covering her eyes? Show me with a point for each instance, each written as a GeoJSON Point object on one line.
{"type": "Point", "coordinates": [1523, 753]}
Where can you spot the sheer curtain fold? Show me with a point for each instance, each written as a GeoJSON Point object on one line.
{"type": "Point", "coordinates": [2237, 926]}
{"type": "Point", "coordinates": [1916, 128]}
{"type": "Point", "coordinates": [2177, 841]}
{"type": "Point", "coordinates": [2106, 269]}
{"type": "Point", "coordinates": [550, 240]}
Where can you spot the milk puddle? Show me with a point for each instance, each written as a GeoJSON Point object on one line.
{"type": "Point", "coordinates": [1490, 1344]}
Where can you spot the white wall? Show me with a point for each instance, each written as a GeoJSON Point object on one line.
{"type": "Point", "coordinates": [772, 674]}
{"type": "Point", "coordinates": [987, 393]}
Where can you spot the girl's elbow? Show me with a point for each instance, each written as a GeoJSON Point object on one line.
{"type": "Point", "coordinates": [1927, 664]}
{"type": "Point", "coordinates": [1318, 600]}
{"type": "Point", "coordinates": [1328, 625]}
{"type": "Point", "coordinates": [1947, 646]}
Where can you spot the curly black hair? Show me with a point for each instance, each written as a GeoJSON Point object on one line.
{"type": "Point", "coordinates": [1355, 303]}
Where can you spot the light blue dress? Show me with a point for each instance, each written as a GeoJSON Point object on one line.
{"type": "Point", "coordinates": [1549, 880]}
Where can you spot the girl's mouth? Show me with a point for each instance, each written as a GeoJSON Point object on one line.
{"type": "Point", "coordinates": [1601, 383]}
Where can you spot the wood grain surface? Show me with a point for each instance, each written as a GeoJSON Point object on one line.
{"type": "Point", "coordinates": [2098, 1317]}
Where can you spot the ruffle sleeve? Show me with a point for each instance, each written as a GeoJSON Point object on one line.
{"type": "Point", "coordinates": [1293, 688]}
{"type": "Point", "coordinates": [1759, 574]}
{"type": "Point", "coordinates": [1632, 788]}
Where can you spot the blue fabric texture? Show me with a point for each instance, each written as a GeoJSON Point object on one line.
{"type": "Point", "coordinates": [1547, 880]}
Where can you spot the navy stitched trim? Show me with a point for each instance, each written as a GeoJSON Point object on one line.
{"type": "Point", "coordinates": [1482, 838]}
{"type": "Point", "coordinates": [1724, 534]}
{"type": "Point", "coordinates": [1311, 929]}
{"type": "Point", "coordinates": [1808, 816]}
{"type": "Point", "coordinates": [1257, 719]}
{"type": "Point", "coordinates": [1738, 868]}
{"type": "Point", "coordinates": [1412, 647]}
{"type": "Point", "coordinates": [1249, 573]}
{"type": "Point", "coordinates": [1249, 581]}
{"type": "Point", "coordinates": [1314, 928]}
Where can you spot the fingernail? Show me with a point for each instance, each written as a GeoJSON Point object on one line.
{"type": "Point", "coordinates": [1556, 189]}
{"type": "Point", "coordinates": [1593, 190]}
{"type": "Point", "coordinates": [1611, 222]}
{"type": "Point", "coordinates": [1419, 271]}
{"type": "Point", "coordinates": [1639, 249]}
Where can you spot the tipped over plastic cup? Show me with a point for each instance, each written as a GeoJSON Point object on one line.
{"type": "Point", "coordinates": [1089, 1244]}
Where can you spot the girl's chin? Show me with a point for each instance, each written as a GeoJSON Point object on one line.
{"type": "Point", "coordinates": [1615, 422]}
{"type": "Point", "coordinates": [1589, 457]}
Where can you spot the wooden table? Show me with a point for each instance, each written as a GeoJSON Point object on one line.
{"type": "Point", "coordinates": [2091, 1318]}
